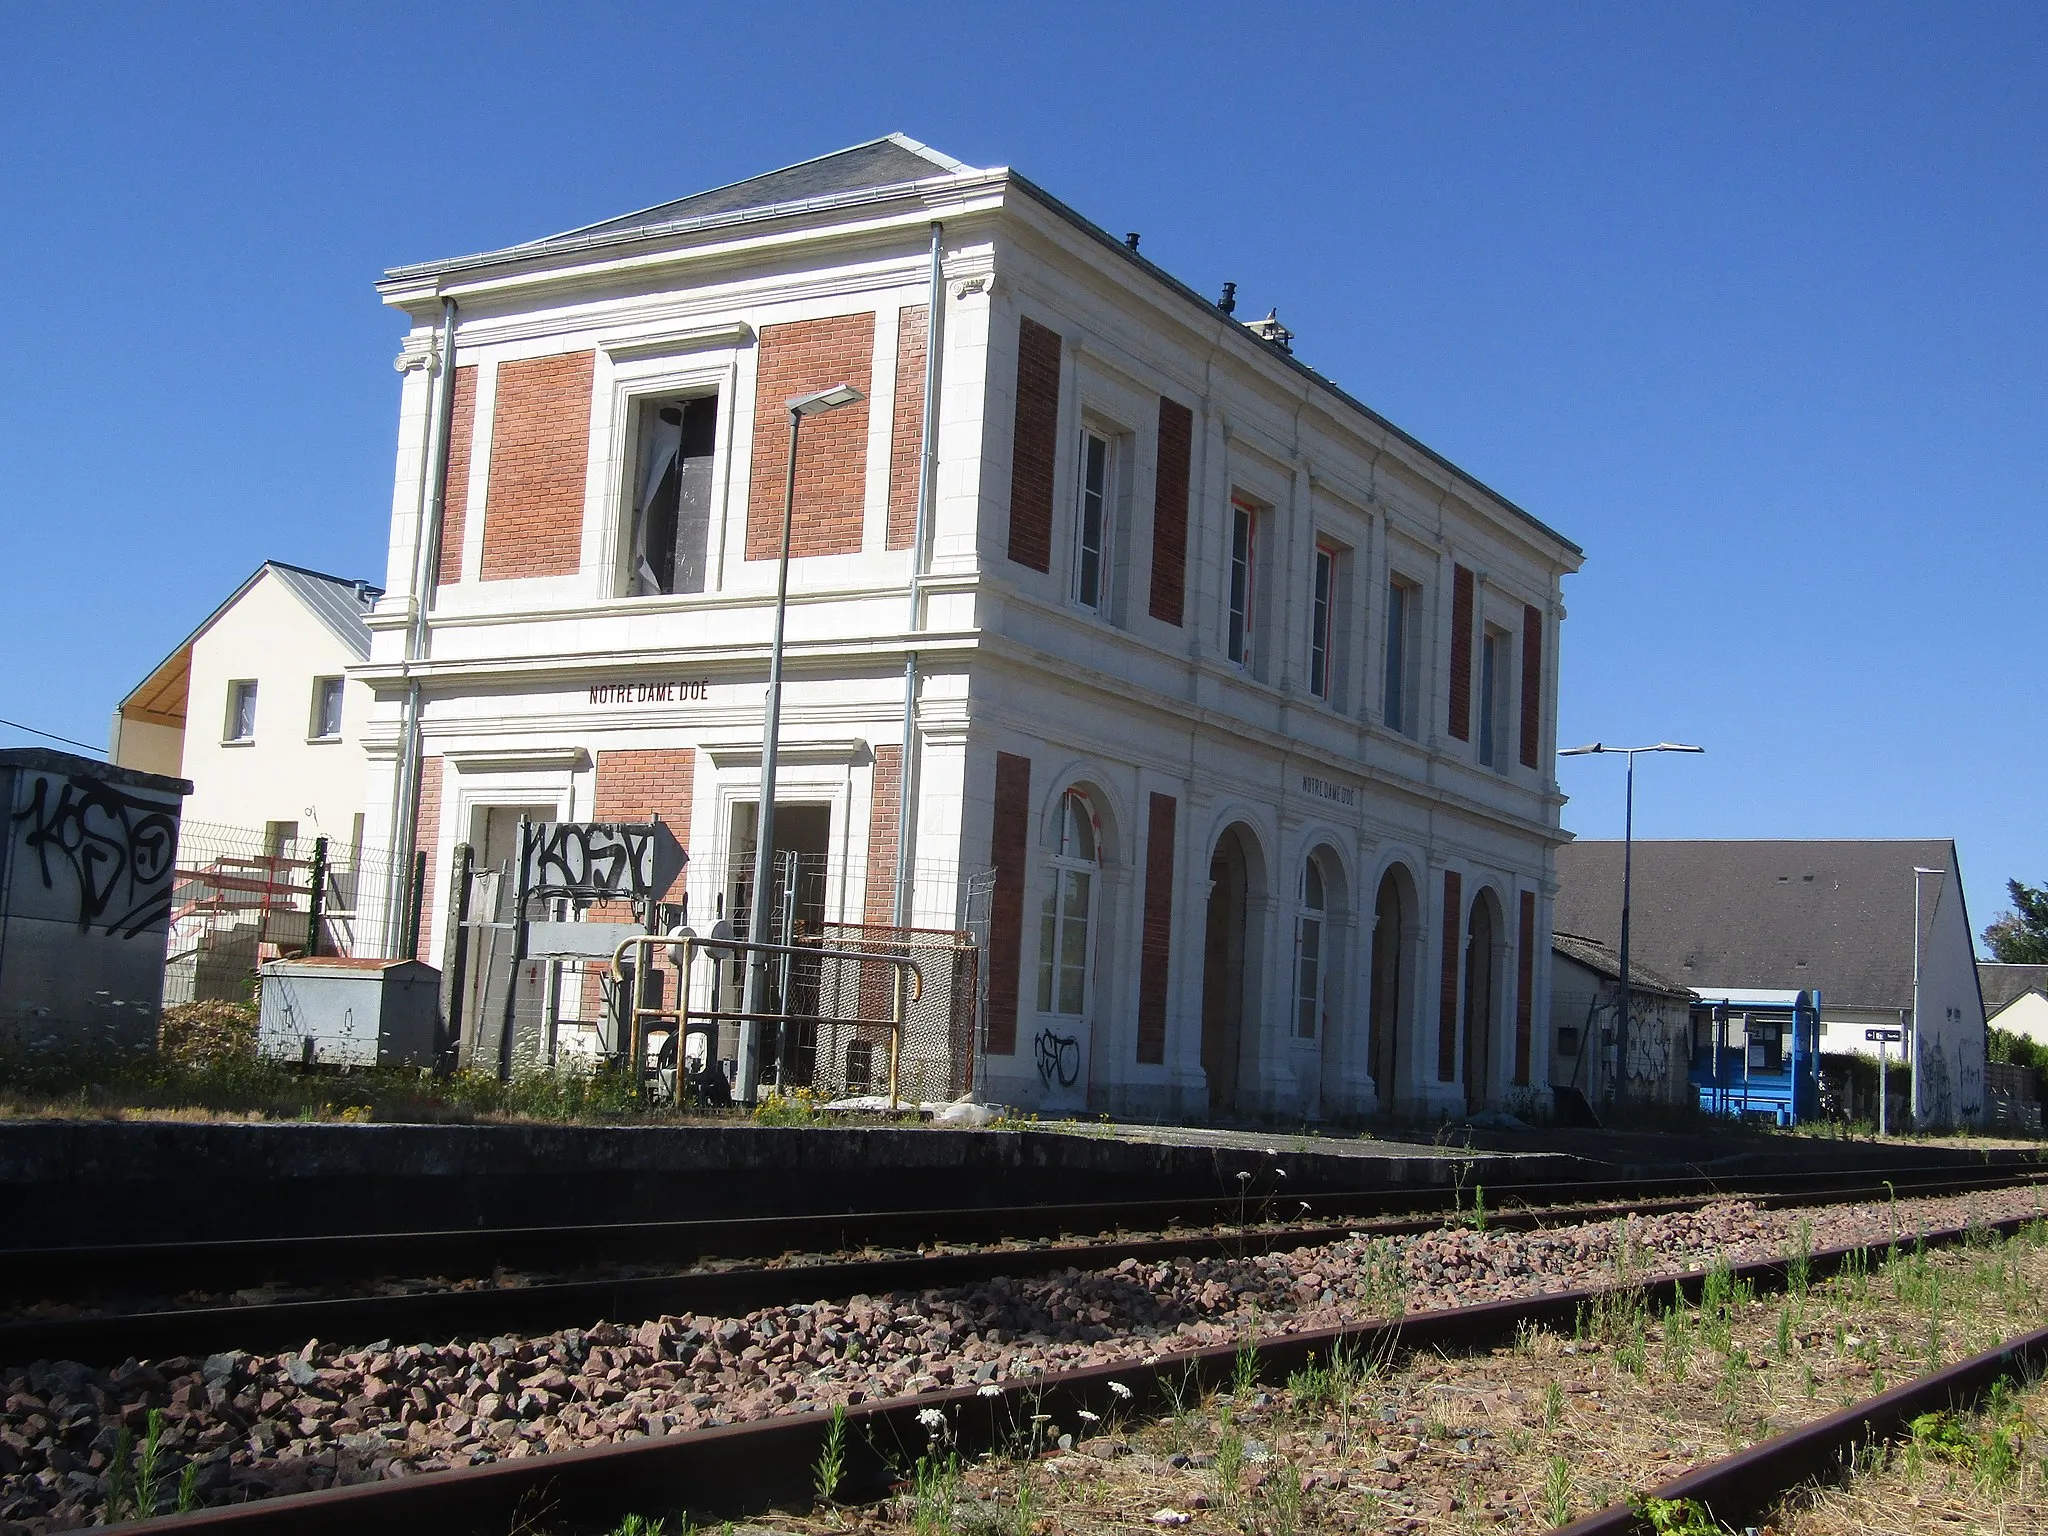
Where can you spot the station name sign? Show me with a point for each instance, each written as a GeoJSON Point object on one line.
{"type": "Point", "coordinates": [651, 693]}
{"type": "Point", "coordinates": [1323, 789]}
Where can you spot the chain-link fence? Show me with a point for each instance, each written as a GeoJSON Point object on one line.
{"type": "Point", "coordinates": [243, 895]}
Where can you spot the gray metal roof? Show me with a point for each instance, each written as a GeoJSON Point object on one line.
{"type": "Point", "coordinates": [1832, 915]}
{"type": "Point", "coordinates": [2004, 984]}
{"type": "Point", "coordinates": [1603, 961]}
{"type": "Point", "coordinates": [335, 600]}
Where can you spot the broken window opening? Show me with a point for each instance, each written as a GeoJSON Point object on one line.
{"type": "Point", "coordinates": [672, 502]}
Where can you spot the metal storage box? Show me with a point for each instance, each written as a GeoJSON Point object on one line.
{"type": "Point", "coordinates": [334, 1012]}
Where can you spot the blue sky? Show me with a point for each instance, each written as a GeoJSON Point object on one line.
{"type": "Point", "coordinates": [1748, 300]}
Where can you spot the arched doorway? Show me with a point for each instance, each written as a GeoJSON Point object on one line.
{"type": "Point", "coordinates": [1480, 1002]}
{"type": "Point", "coordinates": [1392, 916]}
{"type": "Point", "coordinates": [1068, 917]}
{"type": "Point", "coordinates": [1232, 878]}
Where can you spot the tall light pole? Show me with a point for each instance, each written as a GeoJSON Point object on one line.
{"type": "Point", "coordinates": [813, 404]}
{"type": "Point", "coordinates": [1913, 1065]}
{"type": "Point", "coordinates": [1628, 842]}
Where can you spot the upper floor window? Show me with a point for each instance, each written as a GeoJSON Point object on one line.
{"type": "Point", "coordinates": [241, 721]}
{"type": "Point", "coordinates": [1092, 523]}
{"type": "Point", "coordinates": [1495, 649]}
{"type": "Point", "coordinates": [1066, 917]}
{"type": "Point", "coordinates": [672, 495]}
{"type": "Point", "coordinates": [1400, 706]}
{"type": "Point", "coordinates": [327, 693]}
{"type": "Point", "coordinates": [1237, 640]}
{"type": "Point", "coordinates": [1322, 605]}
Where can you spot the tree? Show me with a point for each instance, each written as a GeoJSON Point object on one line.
{"type": "Point", "coordinates": [2020, 937]}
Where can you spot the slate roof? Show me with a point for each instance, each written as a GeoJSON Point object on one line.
{"type": "Point", "coordinates": [1836, 915]}
{"type": "Point", "coordinates": [2003, 984]}
{"type": "Point", "coordinates": [1602, 961]}
{"type": "Point", "coordinates": [336, 601]}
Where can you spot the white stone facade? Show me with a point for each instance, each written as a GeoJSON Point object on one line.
{"type": "Point", "coordinates": [520, 695]}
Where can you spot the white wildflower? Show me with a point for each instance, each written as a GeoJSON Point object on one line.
{"type": "Point", "coordinates": [1088, 1418]}
{"type": "Point", "coordinates": [1120, 1390]}
{"type": "Point", "coordinates": [988, 1389]}
{"type": "Point", "coordinates": [931, 1419]}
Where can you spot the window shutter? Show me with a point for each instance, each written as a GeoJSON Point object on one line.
{"type": "Point", "coordinates": [1461, 653]}
{"type": "Point", "coordinates": [1170, 511]}
{"type": "Point", "coordinates": [1155, 944]}
{"type": "Point", "coordinates": [1447, 990]}
{"type": "Point", "coordinates": [1008, 844]}
{"type": "Point", "coordinates": [1525, 985]}
{"type": "Point", "coordinates": [1532, 685]}
{"type": "Point", "coordinates": [1034, 448]}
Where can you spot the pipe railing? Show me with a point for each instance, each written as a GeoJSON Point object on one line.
{"type": "Point", "coordinates": [907, 988]}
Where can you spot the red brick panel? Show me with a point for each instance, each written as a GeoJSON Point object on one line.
{"type": "Point", "coordinates": [1525, 986]}
{"type": "Point", "coordinates": [1009, 845]}
{"type": "Point", "coordinates": [832, 453]}
{"type": "Point", "coordinates": [1532, 685]}
{"type": "Point", "coordinates": [1035, 445]}
{"type": "Point", "coordinates": [638, 784]}
{"type": "Point", "coordinates": [426, 823]}
{"type": "Point", "coordinates": [455, 482]}
{"type": "Point", "coordinates": [540, 448]}
{"type": "Point", "coordinates": [1170, 511]}
{"type": "Point", "coordinates": [906, 425]}
{"type": "Point", "coordinates": [1447, 992]}
{"type": "Point", "coordinates": [878, 903]}
{"type": "Point", "coordinates": [1155, 945]}
{"type": "Point", "coordinates": [1461, 653]}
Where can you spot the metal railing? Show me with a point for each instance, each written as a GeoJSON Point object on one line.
{"type": "Point", "coordinates": [908, 988]}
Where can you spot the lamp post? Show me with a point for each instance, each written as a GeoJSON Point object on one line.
{"type": "Point", "coordinates": [755, 1004]}
{"type": "Point", "coordinates": [1628, 839]}
{"type": "Point", "coordinates": [1913, 1062]}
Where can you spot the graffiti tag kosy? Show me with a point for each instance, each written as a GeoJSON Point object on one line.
{"type": "Point", "coordinates": [1059, 1059]}
{"type": "Point", "coordinates": [603, 859]}
{"type": "Point", "coordinates": [119, 849]}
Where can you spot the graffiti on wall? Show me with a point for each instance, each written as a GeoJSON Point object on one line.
{"type": "Point", "coordinates": [1059, 1059]}
{"type": "Point", "coordinates": [603, 859]}
{"type": "Point", "coordinates": [117, 849]}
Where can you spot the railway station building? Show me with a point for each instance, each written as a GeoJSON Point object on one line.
{"type": "Point", "coordinates": [1217, 707]}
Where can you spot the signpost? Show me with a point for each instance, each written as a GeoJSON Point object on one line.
{"type": "Point", "coordinates": [1882, 1038]}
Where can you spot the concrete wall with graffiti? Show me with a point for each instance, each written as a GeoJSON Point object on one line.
{"type": "Point", "coordinates": [87, 874]}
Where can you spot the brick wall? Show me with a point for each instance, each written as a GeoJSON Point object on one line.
{"type": "Point", "coordinates": [878, 901]}
{"type": "Point", "coordinates": [637, 784]}
{"type": "Point", "coordinates": [455, 483]}
{"type": "Point", "coordinates": [1155, 944]}
{"type": "Point", "coordinates": [1447, 986]}
{"type": "Point", "coordinates": [832, 468]}
{"type": "Point", "coordinates": [426, 824]}
{"type": "Point", "coordinates": [906, 425]}
{"type": "Point", "coordinates": [1461, 653]}
{"type": "Point", "coordinates": [1034, 447]}
{"type": "Point", "coordinates": [1170, 511]}
{"type": "Point", "coordinates": [1525, 986]}
{"type": "Point", "coordinates": [1009, 849]}
{"type": "Point", "coordinates": [1532, 685]}
{"type": "Point", "coordinates": [540, 448]}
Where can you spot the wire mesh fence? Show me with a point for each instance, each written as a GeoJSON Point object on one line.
{"type": "Point", "coordinates": [243, 895]}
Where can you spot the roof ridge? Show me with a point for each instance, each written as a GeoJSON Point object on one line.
{"type": "Point", "coordinates": [339, 581]}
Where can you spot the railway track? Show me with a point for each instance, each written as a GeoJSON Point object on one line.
{"type": "Point", "coordinates": [1144, 1231]}
{"type": "Point", "coordinates": [745, 1469]}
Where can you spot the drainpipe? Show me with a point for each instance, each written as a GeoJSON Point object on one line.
{"type": "Point", "coordinates": [426, 571]}
{"type": "Point", "coordinates": [927, 488]}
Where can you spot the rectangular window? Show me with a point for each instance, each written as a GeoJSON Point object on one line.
{"type": "Point", "coordinates": [241, 721]}
{"type": "Point", "coordinates": [1091, 523]}
{"type": "Point", "coordinates": [1321, 603]}
{"type": "Point", "coordinates": [1495, 663]}
{"type": "Point", "coordinates": [672, 495]}
{"type": "Point", "coordinates": [326, 708]}
{"type": "Point", "coordinates": [1238, 632]}
{"type": "Point", "coordinates": [1399, 704]}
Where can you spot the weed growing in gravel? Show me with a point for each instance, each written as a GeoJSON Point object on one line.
{"type": "Point", "coordinates": [831, 1463]}
{"type": "Point", "coordinates": [1244, 1371]}
{"type": "Point", "coordinates": [1229, 1457]}
{"type": "Point", "coordinates": [1557, 1490]}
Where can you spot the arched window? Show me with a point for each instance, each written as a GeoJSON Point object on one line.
{"type": "Point", "coordinates": [1308, 952]}
{"type": "Point", "coordinates": [1066, 918]}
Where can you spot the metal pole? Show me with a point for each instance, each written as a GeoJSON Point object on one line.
{"type": "Point", "coordinates": [1882, 1062]}
{"type": "Point", "coordinates": [1628, 846]}
{"type": "Point", "coordinates": [764, 820]}
{"type": "Point", "coordinates": [1914, 1038]}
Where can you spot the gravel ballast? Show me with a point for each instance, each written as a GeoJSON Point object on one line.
{"type": "Point", "coordinates": [260, 1426]}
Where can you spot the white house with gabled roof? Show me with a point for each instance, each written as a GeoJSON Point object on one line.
{"type": "Point", "coordinates": [1237, 700]}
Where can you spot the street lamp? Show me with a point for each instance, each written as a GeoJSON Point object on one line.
{"type": "Point", "coordinates": [1914, 1063]}
{"type": "Point", "coordinates": [814, 404]}
{"type": "Point", "coordinates": [1628, 837]}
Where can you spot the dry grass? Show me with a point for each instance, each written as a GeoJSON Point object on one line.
{"type": "Point", "coordinates": [1518, 1439]}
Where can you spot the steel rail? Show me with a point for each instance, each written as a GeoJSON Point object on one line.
{"type": "Point", "coordinates": [544, 1307]}
{"type": "Point", "coordinates": [742, 1469]}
